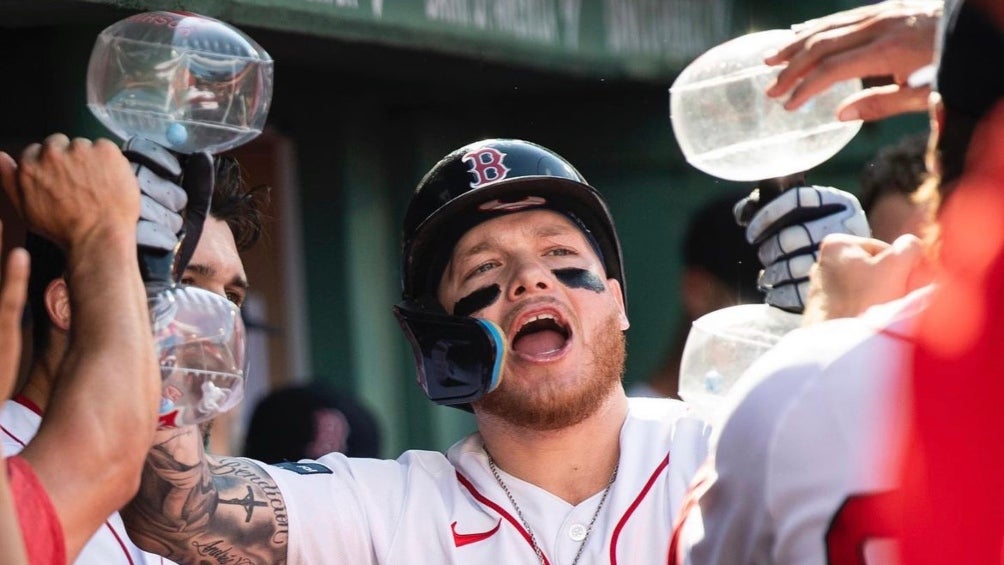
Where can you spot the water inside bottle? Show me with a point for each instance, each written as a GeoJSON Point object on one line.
{"type": "Point", "coordinates": [728, 127]}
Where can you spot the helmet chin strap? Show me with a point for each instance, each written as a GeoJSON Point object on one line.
{"type": "Point", "coordinates": [459, 359]}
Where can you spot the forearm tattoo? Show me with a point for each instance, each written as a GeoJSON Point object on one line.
{"type": "Point", "coordinates": [225, 511]}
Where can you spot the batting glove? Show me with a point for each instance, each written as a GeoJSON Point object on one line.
{"type": "Point", "coordinates": [162, 199]}
{"type": "Point", "coordinates": [175, 197]}
{"type": "Point", "coordinates": [787, 231]}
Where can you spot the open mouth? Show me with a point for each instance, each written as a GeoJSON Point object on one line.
{"type": "Point", "coordinates": [541, 335]}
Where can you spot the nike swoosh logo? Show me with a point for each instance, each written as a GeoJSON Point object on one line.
{"type": "Point", "coordinates": [460, 540]}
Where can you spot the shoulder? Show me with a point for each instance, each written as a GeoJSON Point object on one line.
{"type": "Point", "coordinates": [804, 359]}
{"type": "Point", "coordinates": [664, 410]}
{"type": "Point", "coordinates": [657, 427]}
{"type": "Point", "coordinates": [655, 421]}
{"type": "Point", "coordinates": [831, 350]}
{"type": "Point", "coordinates": [815, 382]}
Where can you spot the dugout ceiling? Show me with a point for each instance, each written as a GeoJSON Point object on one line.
{"type": "Point", "coordinates": [636, 39]}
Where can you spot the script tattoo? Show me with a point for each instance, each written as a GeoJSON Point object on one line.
{"type": "Point", "coordinates": [194, 508]}
{"type": "Point", "coordinates": [221, 553]}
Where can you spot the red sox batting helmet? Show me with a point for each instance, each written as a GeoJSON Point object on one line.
{"type": "Point", "coordinates": [458, 358]}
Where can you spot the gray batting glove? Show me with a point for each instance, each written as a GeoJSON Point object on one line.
{"type": "Point", "coordinates": [162, 200]}
{"type": "Point", "coordinates": [787, 231]}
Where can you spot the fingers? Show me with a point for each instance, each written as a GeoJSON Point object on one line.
{"type": "Point", "coordinates": [38, 152]}
{"type": "Point", "coordinates": [154, 235]}
{"type": "Point", "coordinates": [886, 39]}
{"type": "Point", "coordinates": [783, 209]}
{"type": "Point", "coordinates": [855, 273]}
{"type": "Point", "coordinates": [819, 55]}
{"type": "Point", "coordinates": [882, 102]}
{"type": "Point", "coordinates": [905, 255]}
{"type": "Point", "coordinates": [163, 191]}
{"type": "Point", "coordinates": [835, 66]}
{"type": "Point", "coordinates": [838, 244]}
{"type": "Point", "coordinates": [13, 292]}
{"type": "Point", "coordinates": [790, 296]}
{"type": "Point", "coordinates": [806, 30]}
{"type": "Point", "coordinates": [8, 177]}
{"type": "Point", "coordinates": [795, 269]}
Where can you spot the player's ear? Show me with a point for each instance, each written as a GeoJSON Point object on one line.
{"type": "Point", "coordinates": [615, 287]}
{"type": "Point", "coordinates": [57, 303]}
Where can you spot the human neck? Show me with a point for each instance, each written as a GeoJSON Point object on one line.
{"type": "Point", "coordinates": [38, 387]}
{"type": "Point", "coordinates": [573, 463]}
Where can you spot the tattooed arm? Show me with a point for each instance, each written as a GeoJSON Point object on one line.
{"type": "Point", "coordinates": [194, 508]}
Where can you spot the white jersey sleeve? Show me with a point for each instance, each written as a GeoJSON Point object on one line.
{"type": "Point", "coordinates": [812, 428]}
{"type": "Point", "coordinates": [347, 510]}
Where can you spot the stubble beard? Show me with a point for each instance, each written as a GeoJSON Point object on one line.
{"type": "Point", "coordinates": [547, 404]}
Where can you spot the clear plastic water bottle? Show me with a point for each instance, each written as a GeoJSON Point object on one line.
{"type": "Point", "coordinates": [720, 347]}
{"type": "Point", "coordinates": [188, 82]}
{"type": "Point", "coordinates": [729, 128]}
{"type": "Point", "coordinates": [200, 341]}
{"type": "Point", "coordinates": [191, 84]}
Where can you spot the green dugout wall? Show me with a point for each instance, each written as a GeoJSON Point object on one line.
{"type": "Point", "coordinates": [370, 93]}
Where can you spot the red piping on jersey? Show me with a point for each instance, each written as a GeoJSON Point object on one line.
{"type": "Point", "coordinates": [27, 403]}
{"type": "Point", "coordinates": [634, 505]}
{"type": "Point", "coordinates": [484, 500]}
{"type": "Point", "coordinates": [125, 550]}
{"type": "Point", "coordinates": [12, 436]}
{"type": "Point", "coordinates": [699, 485]}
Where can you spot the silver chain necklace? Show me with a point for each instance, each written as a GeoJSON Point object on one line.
{"type": "Point", "coordinates": [529, 531]}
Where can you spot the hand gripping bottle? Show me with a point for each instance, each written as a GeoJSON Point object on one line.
{"type": "Point", "coordinates": [195, 86]}
{"type": "Point", "coordinates": [728, 127]}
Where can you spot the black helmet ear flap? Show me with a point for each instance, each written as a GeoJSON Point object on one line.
{"type": "Point", "coordinates": [459, 359]}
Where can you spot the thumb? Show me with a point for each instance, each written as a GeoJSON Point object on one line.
{"type": "Point", "coordinates": [906, 260]}
{"type": "Point", "coordinates": [873, 104]}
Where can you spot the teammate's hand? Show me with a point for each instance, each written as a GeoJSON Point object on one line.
{"type": "Point", "coordinates": [13, 291]}
{"type": "Point", "coordinates": [787, 231]}
{"type": "Point", "coordinates": [855, 273]}
{"type": "Point", "coordinates": [888, 39]}
{"type": "Point", "coordinates": [162, 199]}
{"type": "Point", "coordinates": [73, 192]}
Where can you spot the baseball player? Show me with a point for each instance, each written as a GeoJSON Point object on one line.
{"type": "Point", "coordinates": [514, 304]}
{"type": "Point", "coordinates": [804, 470]}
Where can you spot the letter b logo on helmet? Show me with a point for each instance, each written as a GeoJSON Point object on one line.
{"type": "Point", "coordinates": [486, 166]}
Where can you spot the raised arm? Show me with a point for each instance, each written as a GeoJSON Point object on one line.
{"type": "Point", "coordinates": [194, 508]}
{"type": "Point", "coordinates": [83, 196]}
{"type": "Point", "coordinates": [13, 289]}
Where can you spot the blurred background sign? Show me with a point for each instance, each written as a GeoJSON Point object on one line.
{"type": "Point", "coordinates": [613, 38]}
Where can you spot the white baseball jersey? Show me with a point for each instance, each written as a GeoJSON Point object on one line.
{"type": "Point", "coordinates": [808, 448]}
{"type": "Point", "coordinates": [425, 507]}
{"type": "Point", "coordinates": [19, 422]}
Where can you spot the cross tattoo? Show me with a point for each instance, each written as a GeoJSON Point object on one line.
{"type": "Point", "coordinates": [248, 502]}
